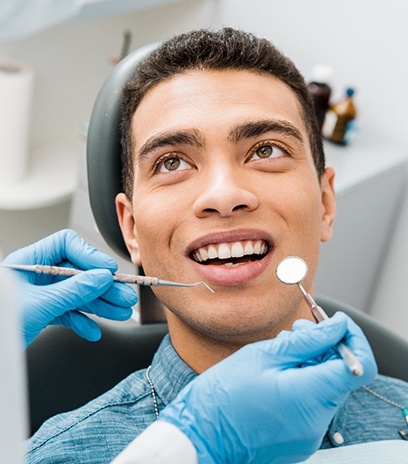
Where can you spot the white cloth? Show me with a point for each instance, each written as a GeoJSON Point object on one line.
{"type": "Point", "coordinates": [376, 452]}
{"type": "Point", "coordinates": [13, 401]}
{"type": "Point", "coordinates": [160, 443]}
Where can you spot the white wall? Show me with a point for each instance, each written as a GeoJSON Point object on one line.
{"type": "Point", "coordinates": [366, 42]}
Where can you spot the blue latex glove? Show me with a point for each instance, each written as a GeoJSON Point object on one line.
{"type": "Point", "coordinates": [267, 403]}
{"type": "Point", "coordinates": [52, 300]}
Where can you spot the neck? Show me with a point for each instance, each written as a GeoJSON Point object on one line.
{"type": "Point", "coordinates": [200, 348]}
{"type": "Point", "coordinates": [197, 350]}
{"type": "Point", "coordinates": [200, 351]}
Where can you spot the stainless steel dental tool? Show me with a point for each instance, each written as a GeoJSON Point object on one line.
{"type": "Point", "coordinates": [124, 278]}
{"type": "Point", "coordinates": [292, 270]}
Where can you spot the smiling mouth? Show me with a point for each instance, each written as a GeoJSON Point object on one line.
{"type": "Point", "coordinates": [231, 254]}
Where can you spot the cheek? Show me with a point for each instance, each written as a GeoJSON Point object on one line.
{"type": "Point", "coordinates": [300, 208]}
{"type": "Point", "coordinates": [309, 208]}
{"type": "Point", "coordinates": [299, 203]}
{"type": "Point", "coordinates": [154, 225]}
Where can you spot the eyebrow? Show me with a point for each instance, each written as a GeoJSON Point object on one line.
{"type": "Point", "coordinates": [238, 133]}
{"type": "Point", "coordinates": [183, 137]}
{"type": "Point", "coordinates": [257, 128]}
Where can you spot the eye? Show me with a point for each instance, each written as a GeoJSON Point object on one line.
{"type": "Point", "coordinates": [267, 150]}
{"type": "Point", "coordinates": [172, 163]}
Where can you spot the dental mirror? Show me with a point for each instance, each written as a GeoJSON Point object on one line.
{"type": "Point", "coordinates": [291, 270]}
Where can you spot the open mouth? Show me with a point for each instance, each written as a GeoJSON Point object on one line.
{"type": "Point", "coordinates": [231, 254]}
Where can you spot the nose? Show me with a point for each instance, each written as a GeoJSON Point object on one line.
{"type": "Point", "coordinates": [224, 192]}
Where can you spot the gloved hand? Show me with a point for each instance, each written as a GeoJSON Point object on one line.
{"type": "Point", "coordinates": [267, 403]}
{"type": "Point", "coordinates": [52, 300]}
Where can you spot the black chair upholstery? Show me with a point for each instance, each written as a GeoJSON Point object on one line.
{"type": "Point", "coordinates": [104, 150]}
{"type": "Point", "coordinates": [65, 371]}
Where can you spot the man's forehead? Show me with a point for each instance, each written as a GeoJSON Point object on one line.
{"type": "Point", "coordinates": [255, 79]}
{"type": "Point", "coordinates": [259, 93]}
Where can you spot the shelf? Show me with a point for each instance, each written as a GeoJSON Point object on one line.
{"type": "Point", "coordinates": [51, 179]}
{"type": "Point", "coordinates": [367, 158]}
{"type": "Point", "coordinates": [370, 181]}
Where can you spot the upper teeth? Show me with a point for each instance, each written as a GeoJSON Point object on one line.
{"type": "Point", "coordinates": [230, 250]}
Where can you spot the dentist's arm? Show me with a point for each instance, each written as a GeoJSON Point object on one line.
{"type": "Point", "coordinates": [270, 402]}
{"type": "Point", "coordinates": [51, 300]}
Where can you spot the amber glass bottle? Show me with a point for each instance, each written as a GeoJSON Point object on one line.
{"type": "Point", "coordinates": [340, 119]}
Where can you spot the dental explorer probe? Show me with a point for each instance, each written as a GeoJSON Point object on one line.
{"type": "Point", "coordinates": [124, 278]}
{"type": "Point", "coordinates": [292, 270]}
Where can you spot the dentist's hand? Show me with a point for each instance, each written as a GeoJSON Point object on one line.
{"type": "Point", "coordinates": [52, 300]}
{"type": "Point", "coordinates": [272, 401]}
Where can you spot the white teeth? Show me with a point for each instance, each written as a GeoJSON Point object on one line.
{"type": "Point", "coordinates": [228, 264]}
{"type": "Point", "coordinates": [224, 251]}
{"type": "Point", "coordinates": [249, 249]}
{"type": "Point", "coordinates": [228, 250]}
{"type": "Point", "coordinates": [203, 254]}
{"type": "Point", "coordinates": [237, 250]}
{"type": "Point", "coordinates": [212, 252]}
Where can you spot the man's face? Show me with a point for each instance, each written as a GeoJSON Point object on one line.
{"type": "Point", "coordinates": [225, 188]}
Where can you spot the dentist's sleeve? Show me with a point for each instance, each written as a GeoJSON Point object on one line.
{"type": "Point", "coordinates": [160, 443]}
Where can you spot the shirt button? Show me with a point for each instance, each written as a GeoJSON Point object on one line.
{"type": "Point", "coordinates": [338, 438]}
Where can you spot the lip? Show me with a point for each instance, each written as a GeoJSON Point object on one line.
{"type": "Point", "coordinates": [221, 275]}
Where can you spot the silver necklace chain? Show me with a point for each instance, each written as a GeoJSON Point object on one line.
{"type": "Point", "coordinates": [383, 398]}
{"type": "Point", "coordinates": [149, 380]}
{"type": "Point", "coordinates": [404, 410]}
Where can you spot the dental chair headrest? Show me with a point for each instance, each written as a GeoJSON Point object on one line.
{"type": "Point", "coordinates": [104, 150]}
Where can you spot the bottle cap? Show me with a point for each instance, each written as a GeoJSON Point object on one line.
{"type": "Point", "coordinates": [322, 74]}
{"type": "Point", "coordinates": [350, 92]}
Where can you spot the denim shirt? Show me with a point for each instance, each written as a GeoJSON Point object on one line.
{"type": "Point", "coordinates": [100, 430]}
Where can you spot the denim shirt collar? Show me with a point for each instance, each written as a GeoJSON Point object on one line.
{"type": "Point", "coordinates": [169, 373]}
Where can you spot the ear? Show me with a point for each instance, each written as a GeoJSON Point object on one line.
{"type": "Point", "coordinates": [124, 210]}
{"type": "Point", "coordinates": [328, 203]}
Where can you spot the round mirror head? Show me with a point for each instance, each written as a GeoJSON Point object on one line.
{"type": "Point", "coordinates": [291, 270]}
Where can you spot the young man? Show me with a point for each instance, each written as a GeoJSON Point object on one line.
{"type": "Point", "coordinates": [224, 177]}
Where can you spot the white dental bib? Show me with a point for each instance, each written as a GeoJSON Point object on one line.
{"type": "Point", "coordinates": [376, 452]}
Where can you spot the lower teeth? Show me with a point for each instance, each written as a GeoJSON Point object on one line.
{"type": "Point", "coordinates": [232, 264]}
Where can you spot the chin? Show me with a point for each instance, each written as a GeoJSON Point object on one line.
{"type": "Point", "coordinates": [234, 328]}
